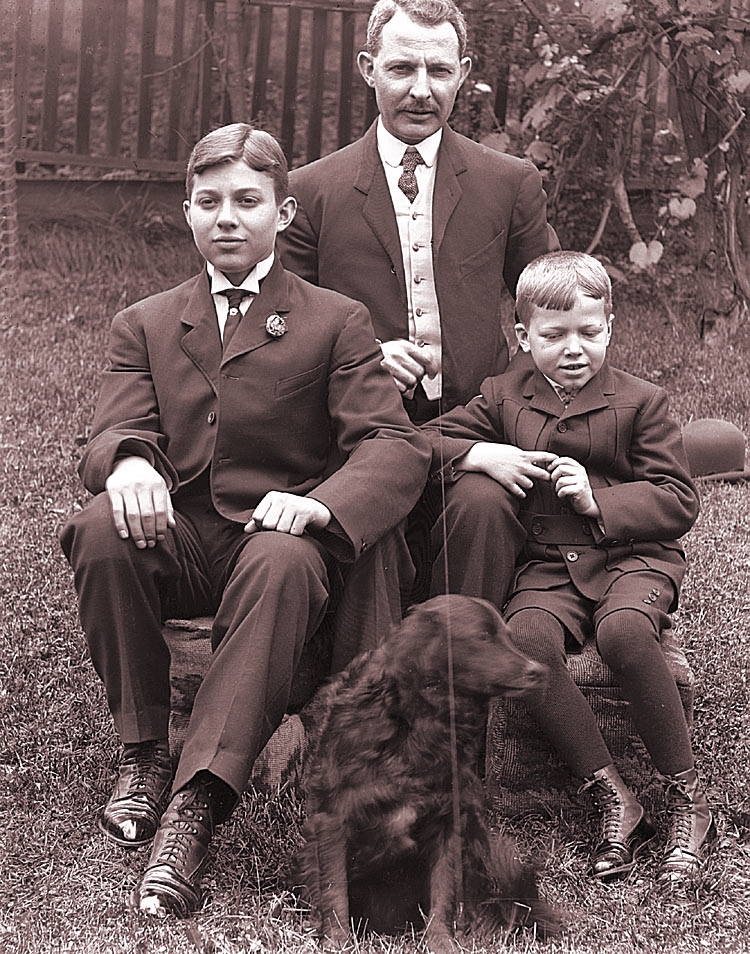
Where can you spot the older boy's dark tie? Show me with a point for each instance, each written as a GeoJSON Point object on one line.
{"type": "Point", "coordinates": [234, 297]}
{"type": "Point", "coordinates": [408, 181]}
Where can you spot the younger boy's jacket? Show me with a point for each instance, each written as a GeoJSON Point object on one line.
{"type": "Point", "coordinates": [618, 427]}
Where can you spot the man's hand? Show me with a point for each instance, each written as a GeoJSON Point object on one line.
{"type": "Point", "coordinates": [141, 504]}
{"type": "Point", "coordinates": [407, 363]}
{"type": "Point", "coordinates": [288, 513]}
{"type": "Point", "coordinates": [510, 466]}
{"type": "Point", "coordinates": [571, 481]}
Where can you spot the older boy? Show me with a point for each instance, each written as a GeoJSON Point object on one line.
{"type": "Point", "coordinates": [603, 518]}
{"type": "Point", "coordinates": [247, 445]}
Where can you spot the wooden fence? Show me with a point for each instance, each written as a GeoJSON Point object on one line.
{"type": "Point", "coordinates": [132, 84]}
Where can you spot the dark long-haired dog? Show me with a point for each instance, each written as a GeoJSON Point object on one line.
{"type": "Point", "coordinates": [396, 829]}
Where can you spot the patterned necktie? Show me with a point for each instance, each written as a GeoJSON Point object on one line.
{"type": "Point", "coordinates": [408, 181]}
{"type": "Point", "coordinates": [234, 297]}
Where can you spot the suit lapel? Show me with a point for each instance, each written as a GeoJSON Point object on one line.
{"type": "Point", "coordinates": [450, 164]}
{"type": "Point", "coordinates": [273, 299]}
{"type": "Point", "coordinates": [201, 341]}
{"type": "Point", "coordinates": [377, 207]}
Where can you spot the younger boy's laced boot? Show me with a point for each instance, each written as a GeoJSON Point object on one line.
{"type": "Point", "coordinates": [691, 831]}
{"type": "Point", "coordinates": [626, 827]}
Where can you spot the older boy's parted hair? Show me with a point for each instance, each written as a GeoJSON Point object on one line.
{"type": "Point", "coordinates": [426, 12]}
{"type": "Point", "coordinates": [554, 280]}
{"type": "Point", "coordinates": [240, 142]}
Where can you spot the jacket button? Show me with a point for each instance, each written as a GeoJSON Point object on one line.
{"type": "Point", "coordinates": [536, 529]}
{"type": "Point", "coordinates": [572, 556]}
{"type": "Point", "coordinates": [211, 417]}
{"type": "Point", "coordinates": [562, 427]}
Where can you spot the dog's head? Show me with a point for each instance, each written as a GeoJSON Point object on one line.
{"type": "Point", "coordinates": [468, 637]}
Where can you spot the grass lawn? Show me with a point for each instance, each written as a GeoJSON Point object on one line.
{"type": "Point", "coordinates": [64, 888]}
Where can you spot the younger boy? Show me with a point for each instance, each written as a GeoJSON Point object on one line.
{"type": "Point", "coordinates": [247, 446]}
{"type": "Point", "coordinates": [602, 553]}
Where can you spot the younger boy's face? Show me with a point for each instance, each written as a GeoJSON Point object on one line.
{"type": "Point", "coordinates": [568, 346]}
{"type": "Point", "coordinates": [234, 216]}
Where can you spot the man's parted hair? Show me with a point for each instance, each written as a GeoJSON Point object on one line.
{"type": "Point", "coordinates": [240, 142]}
{"type": "Point", "coordinates": [553, 281]}
{"type": "Point", "coordinates": [427, 12]}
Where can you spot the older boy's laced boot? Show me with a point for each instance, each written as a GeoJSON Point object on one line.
{"type": "Point", "coordinates": [171, 882]}
{"type": "Point", "coordinates": [691, 831]}
{"type": "Point", "coordinates": [131, 816]}
{"type": "Point", "coordinates": [626, 827]}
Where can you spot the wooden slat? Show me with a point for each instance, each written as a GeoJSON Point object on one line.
{"type": "Point", "coordinates": [85, 81]}
{"type": "Point", "coordinates": [317, 84]}
{"type": "Point", "coordinates": [206, 71]}
{"type": "Point", "coordinates": [100, 162]}
{"type": "Point", "coordinates": [289, 107]}
{"type": "Point", "coordinates": [146, 83]}
{"type": "Point", "coordinates": [347, 78]}
{"type": "Point", "coordinates": [118, 13]}
{"type": "Point", "coordinates": [21, 67]}
{"type": "Point", "coordinates": [262, 55]}
{"type": "Point", "coordinates": [52, 67]}
{"type": "Point", "coordinates": [176, 79]}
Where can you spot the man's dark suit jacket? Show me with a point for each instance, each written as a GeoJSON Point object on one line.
{"type": "Point", "coordinates": [489, 222]}
{"type": "Point", "coordinates": [309, 412]}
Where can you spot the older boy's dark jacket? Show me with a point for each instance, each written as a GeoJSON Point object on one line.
{"type": "Point", "coordinates": [618, 427]}
{"type": "Point", "coordinates": [309, 412]}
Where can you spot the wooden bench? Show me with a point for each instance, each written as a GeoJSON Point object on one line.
{"type": "Point", "coordinates": [524, 775]}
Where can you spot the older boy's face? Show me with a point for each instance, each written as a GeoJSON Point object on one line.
{"type": "Point", "coordinates": [235, 216]}
{"type": "Point", "coordinates": [568, 346]}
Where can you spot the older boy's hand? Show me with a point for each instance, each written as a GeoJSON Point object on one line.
{"type": "Point", "coordinates": [141, 504]}
{"type": "Point", "coordinates": [510, 466]}
{"type": "Point", "coordinates": [288, 513]}
{"type": "Point", "coordinates": [570, 480]}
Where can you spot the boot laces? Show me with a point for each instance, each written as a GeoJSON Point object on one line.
{"type": "Point", "coordinates": [680, 807]}
{"type": "Point", "coordinates": [607, 804]}
{"type": "Point", "coordinates": [148, 762]}
{"type": "Point", "coordinates": [189, 821]}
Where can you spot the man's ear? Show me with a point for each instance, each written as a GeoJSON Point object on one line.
{"type": "Point", "coordinates": [186, 210]}
{"type": "Point", "coordinates": [366, 67]}
{"type": "Point", "coordinates": [522, 336]}
{"type": "Point", "coordinates": [287, 210]}
{"type": "Point", "coordinates": [465, 69]}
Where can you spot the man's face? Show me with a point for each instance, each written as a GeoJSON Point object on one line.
{"type": "Point", "coordinates": [568, 346]}
{"type": "Point", "coordinates": [416, 75]}
{"type": "Point", "coordinates": [234, 215]}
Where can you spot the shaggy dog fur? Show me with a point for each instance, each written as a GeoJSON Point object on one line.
{"type": "Point", "coordinates": [390, 839]}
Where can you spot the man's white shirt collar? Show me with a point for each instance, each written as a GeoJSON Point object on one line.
{"type": "Point", "coordinates": [391, 150]}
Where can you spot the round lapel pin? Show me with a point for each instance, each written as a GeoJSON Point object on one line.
{"type": "Point", "coordinates": [276, 326]}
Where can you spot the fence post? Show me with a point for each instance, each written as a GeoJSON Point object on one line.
{"type": "Point", "coordinates": [8, 204]}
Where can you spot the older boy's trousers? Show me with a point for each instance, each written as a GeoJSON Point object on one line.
{"type": "Point", "coordinates": [269, 592]}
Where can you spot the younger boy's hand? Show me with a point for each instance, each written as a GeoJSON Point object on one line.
{"type": "Point", "coordinates": [571, 482]}
{"type": "Point", "coordinates": [288, 513]}
{"type": "Point", "coordinates": [510, 466]}
{"type": "Point", "coordinates": [141, 504]}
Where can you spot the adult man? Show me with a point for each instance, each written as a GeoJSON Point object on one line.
{"type": "Point", "coordinates": [242, 454]}
{"type": "Point", "coordinates": [430, 267]}
{"type": "Point", "coordinates": [427, 241]}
